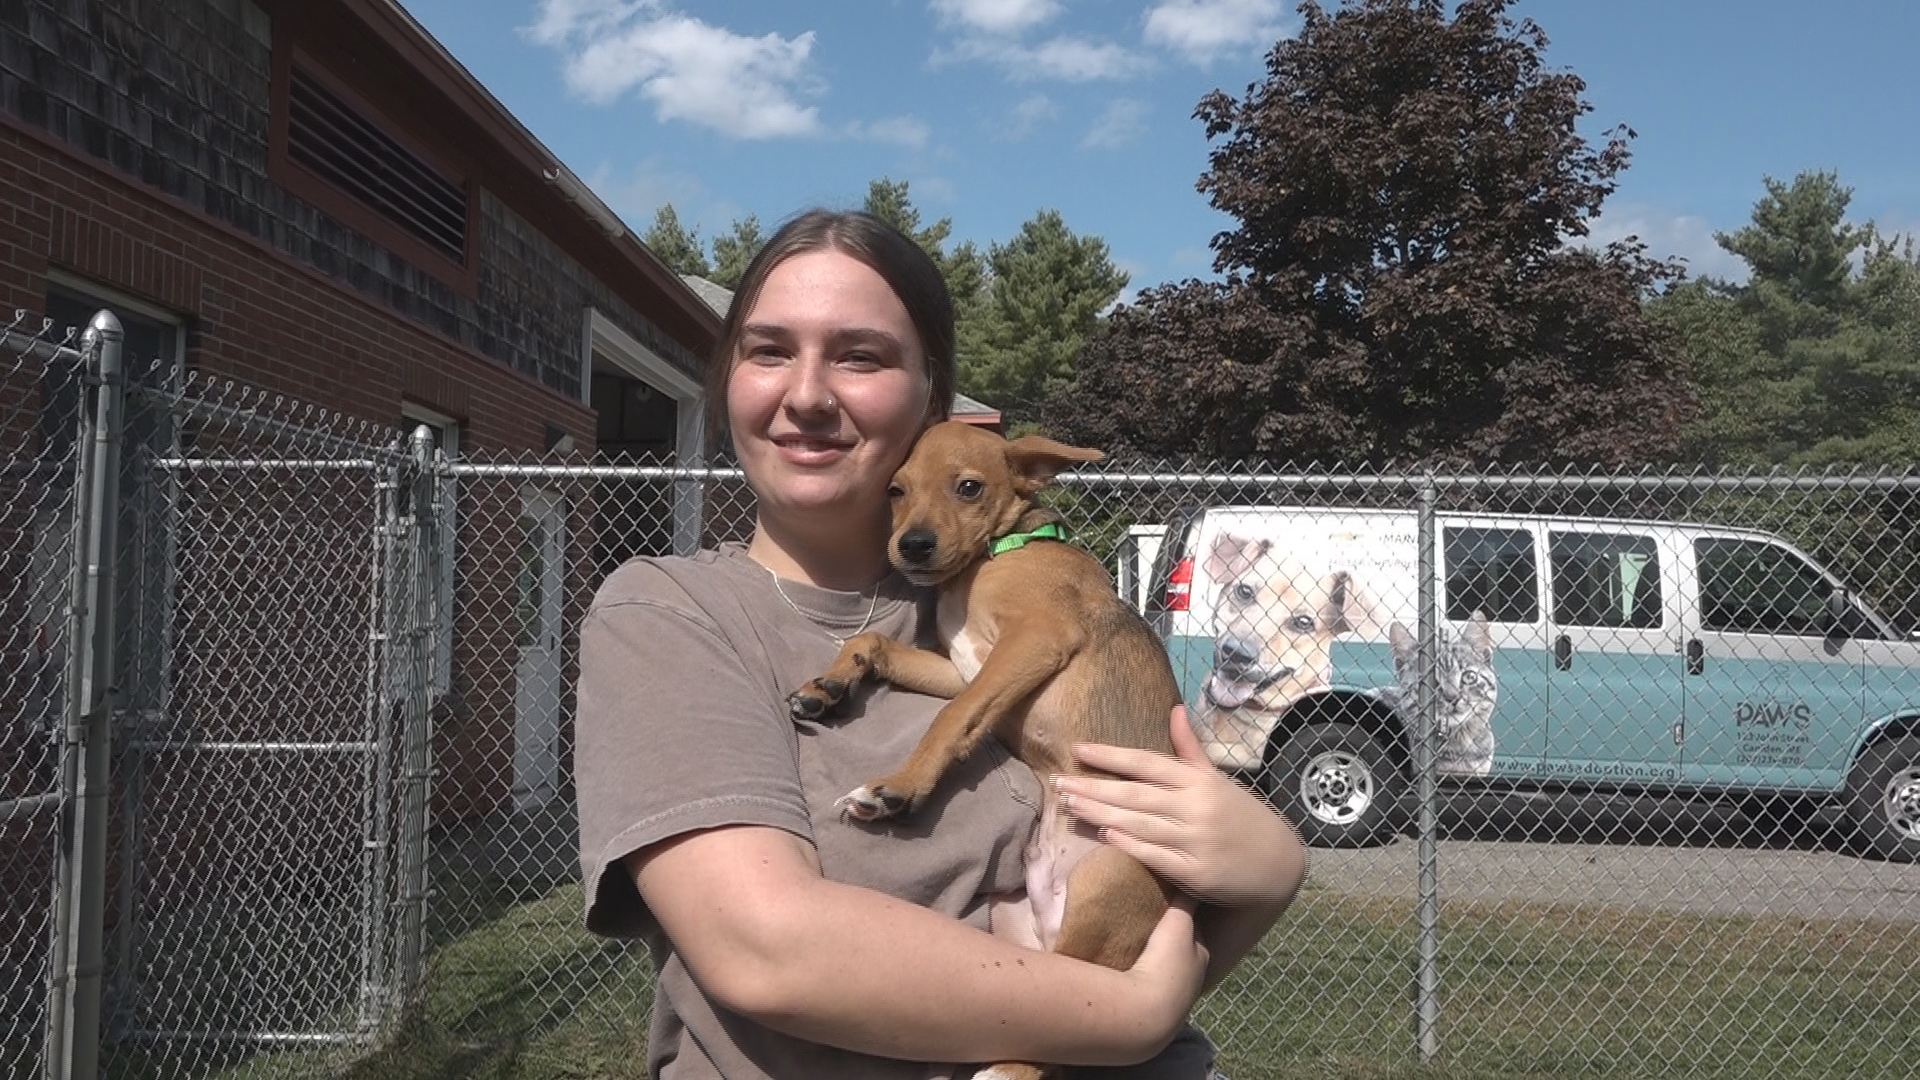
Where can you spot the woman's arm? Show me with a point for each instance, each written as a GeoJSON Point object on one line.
{"type": "Point", "coordinates": [1198, 829]}
{"type": "Point", "coordinates": [766, 936]}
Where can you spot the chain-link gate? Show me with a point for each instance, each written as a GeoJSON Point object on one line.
{"type": "Point", "coordinates": [272, 721]}
{"type": "Point", "coordinates": [1662, 822]}
{"type": "Point", "coordinates": [40, 408]}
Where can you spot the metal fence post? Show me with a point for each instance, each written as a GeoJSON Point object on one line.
{"type": "Point", "coordinates": [416, 728]}
{"type": "Point", "coordinates": [376, 898]}
{"type": "Point", "coordinates": [1427, 920]}
{"type": "Point", "coordinates": [86, 756]}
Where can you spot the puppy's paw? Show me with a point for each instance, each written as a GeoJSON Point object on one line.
{"type": "Point", "coordinates": [871, 803]}
{"type": "Point", "coordinates": [816, 699]}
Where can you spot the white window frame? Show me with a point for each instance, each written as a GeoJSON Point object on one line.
{"type": "Point", "coordinates": [108, 297]}
{"type": "Point", "coordinates": [606, 340]}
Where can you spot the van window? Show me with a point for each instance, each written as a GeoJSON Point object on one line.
{"type": "Point", "coordinates": [1751, 587]}
{"type": "Point", "coordinates": [1492, 570]}
{"type": "Point", "coordinates": [1605, 579]}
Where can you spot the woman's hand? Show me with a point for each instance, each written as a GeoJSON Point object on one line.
{"type": "Point", "coordinates": [1171, 971]}
{"type": "Point", "coordinates": [1186, 821]}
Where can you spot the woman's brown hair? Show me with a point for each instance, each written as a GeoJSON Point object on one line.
{"type": "Point", "coordinates": [907, 270]}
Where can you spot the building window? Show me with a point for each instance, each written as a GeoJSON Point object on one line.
{"type": "Point", "coordinates": [151, 347]}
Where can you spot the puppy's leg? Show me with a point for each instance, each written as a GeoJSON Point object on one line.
{"type": "Point", "coordinates": [1113, 904]}
{"type": "Point", "coordinates": [875, 656]}
{"type": "Point", "coordinates": [1021, 662]}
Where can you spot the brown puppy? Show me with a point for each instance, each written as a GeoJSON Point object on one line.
{"type": "Point", "coordinates": [1040, 652]}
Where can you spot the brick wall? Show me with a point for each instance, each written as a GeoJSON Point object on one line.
{"type": "Point", "coordinates": [174, 95]}
{"type": "Point", "coordinates": [252, 313]}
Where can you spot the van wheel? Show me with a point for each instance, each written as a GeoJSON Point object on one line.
{"type": "Point", "coordinates": [1336, 785]}
{"type": "Point", "coordinates": [1883, 799]}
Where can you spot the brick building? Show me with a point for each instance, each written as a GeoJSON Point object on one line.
{"type": "Point", "coordinates": [314, 197]}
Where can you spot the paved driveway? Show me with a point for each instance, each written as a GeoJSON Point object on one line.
{"type": "Point", "coordinates": [1640, 854]}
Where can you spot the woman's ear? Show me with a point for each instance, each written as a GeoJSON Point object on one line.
{"type": "Point", "coordinates": [1036, 460]}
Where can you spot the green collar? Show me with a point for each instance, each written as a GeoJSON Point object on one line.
{"type": "Point", "coordinates": [1016, 541]}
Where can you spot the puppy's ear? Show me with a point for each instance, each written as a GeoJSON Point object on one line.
{"type": "Point", "coordinates": [1230, 556]}
{"type": "Point", "coordinates": [1036, 461]}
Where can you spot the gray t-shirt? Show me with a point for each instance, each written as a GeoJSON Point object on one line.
{"type": "Point", "coordinates": [685, 664]}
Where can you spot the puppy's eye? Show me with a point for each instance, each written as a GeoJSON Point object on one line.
{"type": "Point", "coordinates": [1301, 624]}
{"type": "Point", "coordinates": [1243, 593]}
{"type": "Point", "coordinates": [969, 488]}
{"type": "Point", "coordinates": [895, 491]}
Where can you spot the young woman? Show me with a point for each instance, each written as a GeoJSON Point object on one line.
{"type": "Point", "coordinates": [790, 943]}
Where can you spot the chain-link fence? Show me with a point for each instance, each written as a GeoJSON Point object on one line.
{"type": "Point", "coordinates": [40, 403]}
{"type": "Point", "coordinates": [1606, 775]}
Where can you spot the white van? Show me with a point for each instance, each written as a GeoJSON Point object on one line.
{"type": "Point", "coordinates": [1575, 651]}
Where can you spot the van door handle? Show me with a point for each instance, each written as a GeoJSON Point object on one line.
{"type": "Point", "coordinates": [1696, 657]}
{"type": "Point", "coordinates": [1563, 653]}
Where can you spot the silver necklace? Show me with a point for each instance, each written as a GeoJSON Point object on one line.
{"type": "Point", "coordinates": [837, 639]}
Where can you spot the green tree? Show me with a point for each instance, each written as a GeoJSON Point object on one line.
{"type": "Point", "coordinates": [1044, 293]}
{"type": "Point", "coordinates": [1810, 361]}
{"type": "Point", "coordinates": [963, 268]}
{"type": "Point", "coordinates": [1398, 284]}
{"type": "Point", "coordinates": [676, 245]}
{"type": "Point", "coordinates": [734, 250]}
{"type": "Point", "coordinates": [1799, 239]}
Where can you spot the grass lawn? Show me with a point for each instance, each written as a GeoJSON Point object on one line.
{"type": "Point", "coordinates": [1526, 990]}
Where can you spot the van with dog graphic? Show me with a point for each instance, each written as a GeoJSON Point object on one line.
{"type": "Point", "coordinates": [1573, 652]}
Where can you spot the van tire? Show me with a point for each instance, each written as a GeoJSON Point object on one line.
{"type": "Point", "coordinates": [1883, 799]}
{"type": "Point", "coordinates": [1337, 785]}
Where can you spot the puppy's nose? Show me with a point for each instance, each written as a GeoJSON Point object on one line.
{"type": "Point", "coordinates": [1233, 652]}
{"type": "Point", "coordinates": [916, 545]}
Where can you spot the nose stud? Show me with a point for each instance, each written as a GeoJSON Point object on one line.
{"type": "Point", "coordinates": [831, 403]}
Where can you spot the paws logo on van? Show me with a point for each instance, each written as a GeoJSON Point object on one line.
{"type": "Point", "coordinates": [1772, 714]}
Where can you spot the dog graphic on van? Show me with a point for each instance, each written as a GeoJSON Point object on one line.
{"type": "Point", "coordinates": [1274, 625]}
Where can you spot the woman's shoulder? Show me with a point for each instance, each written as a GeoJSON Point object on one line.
{"type": "Point", "coordinates": [675, 582]}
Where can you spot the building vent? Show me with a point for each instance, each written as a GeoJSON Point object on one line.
{"type": "Point", "coordinates": [329, 138]}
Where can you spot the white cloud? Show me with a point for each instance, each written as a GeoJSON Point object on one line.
{"type": "Point", "coordinates": [1028, 115]}
{"type": "Point", "coordinates": [934, 189]}
{"type": "Point", "coordinates": [1667, 235]}
{"type": "Point", "coordinates": [748, 87]}
{"type": "Point", "coordinates": [1124, 121]}
{"type": "Point", "coordinates": [651, 185]}
{"type": "Point", "coordinates": [1065, 58]}
{"type": "Point", "coordinates": [996, 16]}
{"type": "Point", "coordinates": [905, 131]}
{"type": "Point", "coordinates": [1203, 29]}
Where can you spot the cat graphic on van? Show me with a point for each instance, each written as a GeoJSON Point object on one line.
{"type": "Point", "coordinates": [1466, 690]}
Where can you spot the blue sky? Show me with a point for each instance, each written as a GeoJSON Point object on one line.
{"type": "Point", "coordinates": [994, 109]}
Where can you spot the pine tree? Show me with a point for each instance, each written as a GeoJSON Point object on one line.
{"type": "Point", "coordinates": [675, 245]}
{"type": "Point", "coordinates": [1045, 291]}
{"type": "Point", "coordinates": [734, 250]}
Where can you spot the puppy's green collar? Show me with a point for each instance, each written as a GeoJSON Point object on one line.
{"type": "Point", "coordinates": [1016, 541]}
